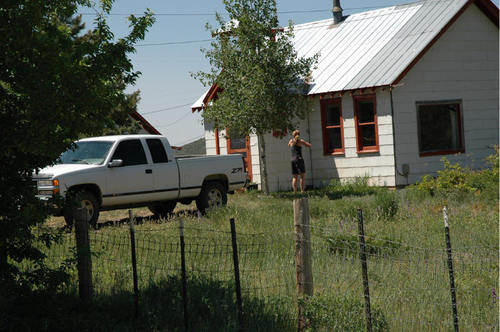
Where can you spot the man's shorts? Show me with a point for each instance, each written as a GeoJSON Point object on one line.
{"type": "Point", "coordinates": [298, 166]}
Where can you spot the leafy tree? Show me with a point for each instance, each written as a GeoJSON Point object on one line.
{"type": "Point", "coordinates": [122, 122]}
{"type": "Point", "coordinates": [261, 78]}
{"type": "Point", "coordinates": [57, 83]}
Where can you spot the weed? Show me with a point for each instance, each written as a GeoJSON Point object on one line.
{"type": "Point", "coordinates": [348, 244]}
{"type": "Point", "coordinates": [340, 313]}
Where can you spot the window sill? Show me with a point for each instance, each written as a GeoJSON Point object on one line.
{"type": "Point", "coordinates": [440, 153]}
{"type": "Point", "coordinates": [374, 150]}
{"type": "Point", "coordinates": [339, 153]}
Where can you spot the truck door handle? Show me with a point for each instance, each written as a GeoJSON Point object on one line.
{"type": "Point", "coordinates": [149, 171]}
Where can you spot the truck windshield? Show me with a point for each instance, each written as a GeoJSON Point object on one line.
{"type": "Point", "coordinates": [92, 153]}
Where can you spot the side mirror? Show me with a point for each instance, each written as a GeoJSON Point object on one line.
{"type": "Point", "coordinates": [115, 163]}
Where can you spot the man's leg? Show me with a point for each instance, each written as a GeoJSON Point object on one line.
{"type": "Point", "coordinates": [302, 182]}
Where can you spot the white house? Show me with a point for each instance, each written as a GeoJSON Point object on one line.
{"type": "Point", "coordinates": [395, 90]}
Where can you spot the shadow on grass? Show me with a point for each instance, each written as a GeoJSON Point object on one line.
{"type": "Point", "coordinates": [211, 307]}
{"type": "Point", "coordinates": [190, 213]}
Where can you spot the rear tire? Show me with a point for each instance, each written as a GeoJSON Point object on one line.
{"type": "Point", "coordinates": [164, 209]}
{"type": "Point", "coordinates": [79, 200]}
{"type": "Point", "coordinates": [213, 194]}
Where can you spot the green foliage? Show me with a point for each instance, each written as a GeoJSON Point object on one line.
{"type": "Point", "coordinates": [457, 180]}
{"type": "Point", "coordinates": [261, 77]}
{"type": "Point", "coordinates": [211, 305]}
{"type": "Point", "coordinates": [387, 204]}
{"type": "Point", "coordinates": [58, 82]}
{"type": "Point", "coordinates": [336, 189]}
{"type": "Point", "coordinates": [357, 186]}
{"type": "Point", "coordinates": [340, 313]}
{"type": "Point", "coordinates": [123, 123]}
{"type": "Point", "coordinates": [343, 243]}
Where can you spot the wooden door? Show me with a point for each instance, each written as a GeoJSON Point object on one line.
{"type": "Point", "coordinates": [241, 145]}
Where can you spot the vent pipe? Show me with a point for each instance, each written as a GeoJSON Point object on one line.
{"type": "Point", "coordinates": [337, 12]}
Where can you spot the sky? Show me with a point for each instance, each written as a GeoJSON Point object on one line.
{"type": "Point", "coordinates": [171, 51]}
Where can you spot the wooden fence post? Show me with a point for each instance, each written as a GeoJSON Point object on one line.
{"type": "Point", "coordinates": [303, 255]}
{"type": "Point", "coordinates": [84, 259]}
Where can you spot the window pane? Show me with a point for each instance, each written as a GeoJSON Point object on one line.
{"type": "Point", "coordinates": [93, 152]}
{"type": "Point", "coordinates": [439, 128]}
{"type": "Point", "coordinates": [366, 111]}
{"type": "Point", "coordinates": [334, 139]}
{"type": "Point", "coordinates": [157, 151]}
{"type": "Point", "coordinates": [237, 142]}
{"type": "Point", "coordinates": [332, 115]}
{"type": "Point", "coordinates": [131, 152]}
{"type": "Point", "coordinates": [367, 135]}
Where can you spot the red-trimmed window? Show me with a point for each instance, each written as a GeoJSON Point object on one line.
{"type": "Point", "coordinates": [331, 124]}
{"type": "Point", "coordinates": [440, 129]}
{"type": "Point", "coordinates": [365, 119]}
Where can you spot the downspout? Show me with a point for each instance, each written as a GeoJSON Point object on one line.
{"type": "Point", "coordinates": [405, 169]}
{"type": "Point", "coordinates": [310, 149]}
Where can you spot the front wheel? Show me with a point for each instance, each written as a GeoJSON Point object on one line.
{"type": "Point", "coordinates": [213, 194]}
{"type": "Point", "coordinates": [82, 199]}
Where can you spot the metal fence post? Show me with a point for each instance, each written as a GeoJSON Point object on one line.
{"type": "Point", "coordinates": [134, 263]}
{"type": "Point", "coordinates": [83, 256]}
{"type": "Point", "coordinates": [450, 269]}
{"type": "Point", "coordinates": [364, 267]}
{"type": "Point", "coordinates": [184, 281]}
{"type": "Point", "coordinates": [303, 256]}
{"type": "Point", "coordinates": [239, 301]}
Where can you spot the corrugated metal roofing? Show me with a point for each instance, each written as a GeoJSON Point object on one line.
{"type": "Point", "coordinates": [372, 48]}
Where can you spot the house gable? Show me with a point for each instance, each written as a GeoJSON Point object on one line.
{"type": "Point", "coordinates": [461, 69]}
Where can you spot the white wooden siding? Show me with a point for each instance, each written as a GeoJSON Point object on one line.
{"type": "Point", "coordinates": [461, 65]}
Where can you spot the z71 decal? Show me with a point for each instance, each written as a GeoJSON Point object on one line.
{"type": "Point", "coordinates": [236, 170]}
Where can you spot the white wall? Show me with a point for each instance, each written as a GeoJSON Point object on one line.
{"type": "Point", "coordinates": [463, 65]}
{"type": "Point", "coordinates": [378, 166]}
{"type": "Point", "coordinates": [321, 169]}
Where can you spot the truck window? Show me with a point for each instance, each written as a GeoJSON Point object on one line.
{"type": "Point", "coordinates": [157, 151]}
{"type": "Point", "coordinates": [131, 152]}
{"type": "Point", "coordinates": [93, 152]}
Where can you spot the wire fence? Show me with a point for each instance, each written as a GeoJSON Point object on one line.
{"type": "Point", "coordinates": [409, 285]}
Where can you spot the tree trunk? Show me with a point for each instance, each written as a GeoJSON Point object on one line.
{"type": "Point", "coordinates": [262, 162]}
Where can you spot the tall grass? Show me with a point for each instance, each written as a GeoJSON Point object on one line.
{"type": "Point", "coordinates": [409, 283]}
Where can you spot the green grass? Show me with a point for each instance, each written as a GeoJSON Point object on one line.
{"type": "Point", "coordinates": [408, 275]}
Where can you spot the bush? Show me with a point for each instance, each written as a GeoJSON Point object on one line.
{"type": "Point", "coordinates": [387, 204]}
{"type": "Point", "coordinates": [457, 180]}
{"type": "Point", "coordinates": [339, 313]}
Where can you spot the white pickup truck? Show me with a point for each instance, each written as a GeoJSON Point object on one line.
{"type": "Point", "coordinates": [115, 172]}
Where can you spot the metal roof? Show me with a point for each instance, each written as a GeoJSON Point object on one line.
{"type": "Point", "coordinates": [372, 48]}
